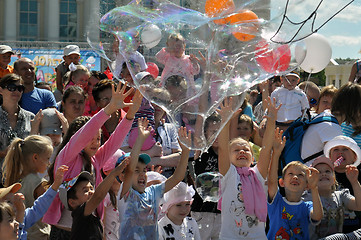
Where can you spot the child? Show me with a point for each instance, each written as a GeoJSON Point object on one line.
{"type": "Point", "coordinates": [289, 216]}
{"type": "Point", "coordinates": [79, 196]}
{"type": "Point", "coordinates": [177, 63]}
{"type": "Point", "coordinates": [26, 217]}
{"type": "Point", "coordinates": [334, 201]}
{"type": "Point", "coordinates": [244, 206]}
{"type": "Point", "coordinates": [71, 55]}
{"type": "Point", "coordinates": [294, 100]}
{"type": "Point", "coordinates": [5, 59]}
{"type": "Point", "coordinates": [81, 150]}
{"type": "Point", "coordinates": [79, 75]}
{"type": "Point", "coordinates": [138, 209]}
{"type": "Point", "coordinates": [24, 160]}
{"type": "Point", "coordinates": [344, 153]}
{"type": "Point", "coordinates": [177, 205]}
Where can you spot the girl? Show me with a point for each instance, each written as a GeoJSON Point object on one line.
{"type": "Point", "coordinates": [244, 202]}
{"type": "Point", "coordinates": [79, 75]}
{"type": "Point", "coordinates": [334, 202]}
{"type": "Point", "coordinates": [177, 63]}
{"type": "Point", "coordinates": [177, 206]}
{"type": "Point", "coordinates": [9, 227]}
{"type": "Point", "coordinates": [24, 160]}
{"type": "Point", "coordinates": [80, 150]}
{"type": "Point", "coordinates": [73, 103]}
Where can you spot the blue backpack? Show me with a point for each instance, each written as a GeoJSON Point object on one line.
{"type": "Point", "coordinates": [294, 135]}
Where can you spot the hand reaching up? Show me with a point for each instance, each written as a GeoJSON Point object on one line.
{"type": "Point", "coordinates": [185, 138]}
{"type": "Point", "coordinates": [226, 109]}
{"type": "Point", "coordinates": [136, 102]}
{"type": "Point", "coordinates": [279, 141]}
{"type": "Point", "coordinates": [143, 128]}
{"type": "Point", "coordinates": [117, 101]}
{"type": "Point", "coordinates": [272, 109]}
{"type": "Point", "coordinates": [58, 178]}
{"type": "Point", "coordinates": [352, 173]}
{"type": "Point", "coordinates": [312, 177]}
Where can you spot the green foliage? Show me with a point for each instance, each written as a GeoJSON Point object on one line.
{"type": "Point", "coordinates": [318, 78]}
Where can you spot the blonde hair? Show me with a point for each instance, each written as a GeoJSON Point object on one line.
{"type": "Point", "coordinates": [19, 154]}
{"type": "Point", "coordinates": [176, 37]}
{"type": "Point", "coordinates": [239, 139]}
{"type": "Point", "coordinates": [79, 69]}
{"type": "Point", "coordinates": [298, 164]}
{"type": "Point", "coordinates": [329, 90]}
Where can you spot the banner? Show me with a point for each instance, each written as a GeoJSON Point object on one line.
{"type": "Point", "coordinates": [46, 60]}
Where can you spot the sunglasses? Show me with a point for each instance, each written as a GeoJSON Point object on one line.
{"type": "Point", "coordinates": [13, 88]}
{"type": "Point", "coordinates": [313, 101]}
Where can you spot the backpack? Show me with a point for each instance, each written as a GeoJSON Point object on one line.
{"type": "Point", "coordinates": [294, 135]}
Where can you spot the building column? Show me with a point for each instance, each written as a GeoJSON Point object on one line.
{"type": "Point", "coordinates": [91, 20]}
{"type": "Point", "coordinates": [10, 20]}
{"type": "Point", "coordinates": [337, 82]}
{"type": "Point", "coordinates": [53, 19]}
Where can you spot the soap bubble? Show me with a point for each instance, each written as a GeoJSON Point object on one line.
{"type": "Point", "coordinates": [207, 186]}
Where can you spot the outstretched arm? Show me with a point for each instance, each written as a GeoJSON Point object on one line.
{"type": "Point", "coordinates": [352, 175]}
{"type": "Point", "coordinates": [312, 175]}
{"type": "Point", "coordinates": [278, 145]}
{"type": "Point", "coordinates": [178, 175]}
{"type": "Point", "coordinates": [224, 161]}
{"type": "Point", "coordinates": [265, 154]}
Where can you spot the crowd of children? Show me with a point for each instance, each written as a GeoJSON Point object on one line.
{"type": "Point", "coordinates": [68, 178]}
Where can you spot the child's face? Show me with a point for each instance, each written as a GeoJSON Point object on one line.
{"type": "Point", "coordinates": [72, 58]}
{"type": "Point", "coordinates": [244, 131]}
{"type": "Point", "coordinates": [294, 180]}
{"type": "Point", "coordinates": [140, 177]}
{"type": "Point", "coordinates": [42, 160]}
{"type": "Point", "coordinates": [324, 103]}
{"type": "Point", "coordinates": [81, 80]}
{"type": "Point", "coordinates": [290, 82]}
{"type": "Point", "coordinates": [348, 155]}
{"type": "Point", "coordinates": [93, 146]}
{"type": "Point", "coordinates": [177, 212]}
{"type": "Point", "coordinates": [241, 154]}
{"type": "Point", "coordinates": [9, 228]}
{"type": "Point", "coordinates": [327, 177]}
{"type": "Point", "coordinates": [74, 105]}
{"type": "Point", "coordinates": [91, 83]}
{"type": "Point", "coordinates": [84, 190]}
{"type": "Point", "coordinates": [177, 48]}
{"type": "Point", "coordinates": [5, 59]}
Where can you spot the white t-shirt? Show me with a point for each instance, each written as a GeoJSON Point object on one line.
{"type": "Point", "coordinates": [293, 102]}
{"type": "Point", "coordinates": [317, 135]}
{"type": "Point", "coordinates": [188, 230]}
{"type": "Point", "coordinates": [235, 223]}
{"type": "Point", "coordinates": [111, 220]}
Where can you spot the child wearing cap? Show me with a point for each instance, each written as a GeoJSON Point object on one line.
{"type": "Point", "coordinates": [15, 220]}
{"type": "Point", "coordinates": [5, 59]}
{"type": "Point", "coordinates": [138, 209]}
{"type": "Point", "coordinates": [176, 224]}
{"type": "Point", "coordinates": [334, 202]}
{"type": "Point", "coordinates": [294, 101]}
{"type": "Point", "coordinates": [345, 154]}
{"type": "Point", "coordinates": [71, 55]}
{"type": "Point", "coordinates": [78, 195]}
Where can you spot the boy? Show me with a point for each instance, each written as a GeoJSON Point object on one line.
{"type": "Point", "coordinates": [289, 216]}
{"type": "Point", "coordinates": [138, 209]}
{"type": "Point", "coordinates": [294, 101]}
{"type": "Point", "coordinates": [5, 59]}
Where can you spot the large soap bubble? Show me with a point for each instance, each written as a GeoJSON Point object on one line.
{"type": "Point", "coordinates": [240, 49]}
{"type": "Point", "coordinates": [207, 186]}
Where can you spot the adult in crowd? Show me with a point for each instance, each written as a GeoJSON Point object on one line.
{"type": "Point", "coordinates": [355, 74]}
{"type": "Point", "coordinates": [33, 99]}
{"type": "Point", "coordinates": [73, 103]}
{"type": "Point", "coordinates": [14, 120]}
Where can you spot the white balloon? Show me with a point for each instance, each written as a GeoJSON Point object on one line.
{"type": "Point", "coordinates": [318, 54]}
{"type": "Point", "coordinates": [151, 35]}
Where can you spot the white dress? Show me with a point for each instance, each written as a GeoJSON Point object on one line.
{"type": "Point", "coordinates": [188, 230]}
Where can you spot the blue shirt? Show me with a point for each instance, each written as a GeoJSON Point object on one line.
{"type": "Point", "coordinates": [37, 99]}
{"type": "Point", "coordinates": [36, 212]}
{"type": "Point", "coordinates": [347, 130]}
{"type": "Point", "coordinates": [288, 220]}
{"type": "Point", "coordinates": [138, 213]}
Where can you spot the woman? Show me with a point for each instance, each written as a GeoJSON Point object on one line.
{"type": "Point", "coordinates": [14, 121]}
{"type": "Point", "coordinates": [73, 103]}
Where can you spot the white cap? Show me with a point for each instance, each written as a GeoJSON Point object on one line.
{"type": "Point", "coordinates": [343, 141]}
{"type": "Point", "coordinates": [153, 176]}
{"type": "Point", "coordinates": [71, 49]}
{"type": "Point", "coordinates": [180, 193]}
{"type": "Point", "coordinates": [292, 74]}
{"type": "Point", "coordinates": [6, 49]}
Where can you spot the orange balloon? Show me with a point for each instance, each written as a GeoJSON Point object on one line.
{"type": "Point", "coordinates": [243, 17]}
{"type": "Point", "coordinates": [215, 8]}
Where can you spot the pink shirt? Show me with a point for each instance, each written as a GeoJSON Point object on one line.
{"type": "Point", "coordinates": [177, 66]}
{"type": "Point", "coordinates": [70, 155]}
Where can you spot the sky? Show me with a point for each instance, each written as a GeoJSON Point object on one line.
{"type": "Point", "coordinates": [343, 31]}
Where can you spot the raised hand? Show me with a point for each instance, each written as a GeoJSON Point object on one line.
{"type": "Point", "coordinates": [352, 173]}
{"type": "Point", "coordinates": [226, 108]}
{"type": "Point", "coordinates": [185, 138]}
{"type": "Point", "coordinates": [157, 169]}
{"type": "Point", "coordinates": [35, 123]}
{"type": "Point", "coordinates": [143, 128]}
{"type": "Point", "coordinates": [312, 177]}
{"type": "Point", "coordinates": [135, 104]}
{"type": "Point", "coordinates": [272, 109]}
{"type": "Point", "coordinates": [120, 168]}
{"type": "Point", "coordinates": [59, 175]}
{"type": "Point", "coordinates": [117, 101]}
{"type": "Point", "coordinates": [279, 141]}
{"type": "Point", "coordinates": [63, 121]}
